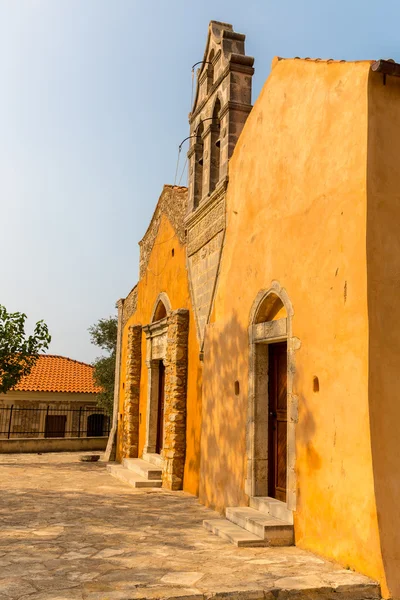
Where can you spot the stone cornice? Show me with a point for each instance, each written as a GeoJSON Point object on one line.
{"type": "Point", "coordinates": [246, 108]}
{"type": "Point", "coordinates": [232, 66]}
{"type": "Point", "coordinates": [204, 207]}
{"type": "Point", "coordinates": [157, 328]}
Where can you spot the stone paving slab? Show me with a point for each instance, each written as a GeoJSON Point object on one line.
{"type": "Point", "coordinates": [70, 531]}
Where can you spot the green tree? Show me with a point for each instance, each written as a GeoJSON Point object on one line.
{"type": "Point", "coordinates": [104, 335]}
{"type": "Point", "coordinates": [18, 352]}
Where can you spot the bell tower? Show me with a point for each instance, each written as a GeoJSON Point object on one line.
{"type": "Point", "coordinates": [220, 109]}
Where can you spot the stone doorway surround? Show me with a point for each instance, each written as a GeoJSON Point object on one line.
{"type": "Point", "coordinates": [167, 341]}
{"type": "Point", "coordinates": [130, 423]}
{"type": "Point", "coordinates": [260, 335]}
{"type": "Point", "coordinates": [156, 352]}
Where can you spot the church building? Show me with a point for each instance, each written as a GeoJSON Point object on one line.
{"type": "Point", "coordinates": [259, 353]}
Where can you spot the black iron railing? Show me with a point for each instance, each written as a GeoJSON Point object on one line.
{"type": "Point", "coordinates": [50, 421]}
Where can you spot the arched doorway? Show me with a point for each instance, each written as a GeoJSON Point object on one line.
{"type": "Point", "coordinates": [95, 425]}
{"type": "Point", "coordinates": [156, 335]}
{"type": "Point", "coordinates": [160, 408]}
{"type": "Point", "coordinates": [271, 419]}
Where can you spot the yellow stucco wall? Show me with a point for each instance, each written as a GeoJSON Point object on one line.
{"type": "Point", "coordinates": [383, 244]}
{"type": "Point", "coordinates": [296, 213]}
{"type": "Point", "coordinates": [312, 203]}
{"type": "Point", "coordinates": [167, 273]}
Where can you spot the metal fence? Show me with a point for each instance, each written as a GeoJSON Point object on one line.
{"type": "Point", "coordinates": [53, 422]}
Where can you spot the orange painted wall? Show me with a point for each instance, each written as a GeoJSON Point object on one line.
{"type": "Point", "coordinates": [296, 213]}
{"type": "Point", "coordinates": [383, 247]}
{"type": "Point", "coordinates": [167, 273]}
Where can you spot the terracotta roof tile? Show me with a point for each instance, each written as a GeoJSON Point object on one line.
{"type": "Point", "coordinates": [59, 374]}
{"type": "Point", "coordinates": [323, 60]}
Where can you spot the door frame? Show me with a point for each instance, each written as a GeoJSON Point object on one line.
{"type": "Point", "coordinates": [260, 336]}
{"type": "Point", "coordinates": [274, 417]}
{"type": "Point", "coordinates": [167, 341]}
{"type": "Point", "coordinates": [160, 407]}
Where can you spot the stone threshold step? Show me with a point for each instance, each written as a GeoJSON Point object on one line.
{"type": "Point", "coordinates": [233, 533]}
{"type": "Point", "coordinates": [275, 531]}
{"type": "Point", "coordinates": [154, 459]}
{"type": "Point", "coordinates": [142, 468]}
{"type": "Point", "coordinates": [135, 480]}
{"type": "Point", "coordinates": [272, 506]}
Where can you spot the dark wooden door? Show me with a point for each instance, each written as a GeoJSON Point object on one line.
{"type": "Point", "coordinates": [160, 412]}
{"type": "Point", "coordinates": [55, 426]}
{"type": "Point", "coordinates": [277, 420]}
{"type": "Point", "coordinates": [95, 425]}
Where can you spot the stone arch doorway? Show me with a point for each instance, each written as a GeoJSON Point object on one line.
{"type": "Point", "coordinates": [166, 361]}
{"type": "Point", "coordinates": [96, 425]}
{"type": "Point", "coordinates": [156, 335]}
{"type": "Point", "coordinates": [272, 406]}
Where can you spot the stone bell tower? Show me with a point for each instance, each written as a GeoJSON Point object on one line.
{"type": "Point", "coordinates": [221, 106]}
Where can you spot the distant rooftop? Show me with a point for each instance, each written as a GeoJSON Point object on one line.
{"type": "Point", "coordinates": [59, 374]}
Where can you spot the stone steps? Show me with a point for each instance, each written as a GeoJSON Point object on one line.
{"type": "Point", "coordinates": [273, 507]}
{"type": "Point", "coordinates": [233, 533]}
{"type": "Point", "coordinates": [266, 522]}
{"type": "Point", "coordinates": [154, 459]}
{"type": "Point", "coordinates": [143, 468]}
{"type": "Point", "coordinates": [134, 479]}
{"type": "Point", "coordinates": [274, 531]}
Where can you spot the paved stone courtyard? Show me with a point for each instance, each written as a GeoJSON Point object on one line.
{"type": "Point", "coordinates": [69, 531]}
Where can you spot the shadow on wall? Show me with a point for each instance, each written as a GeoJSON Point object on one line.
{"type": "Point", "coordinates": [223, 468]}
{"type": "Point", "coordinates": [383, 260]}
{"type": "Point", "coordinates": [223, 440]}
{"type": "Point", "coordinates": [193, 437]}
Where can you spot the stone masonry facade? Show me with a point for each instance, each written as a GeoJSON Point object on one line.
{"type": "Point", "coordinates": [221, 107]}
{"type": "Point", "coordinates": [175, 399]}
{"type": "Point", "coordinates": [198, 217]}
{"type": "Point", "coordinates": [132, 393]}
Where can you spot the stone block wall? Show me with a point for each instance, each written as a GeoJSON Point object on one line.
{"type": "Point", "coordinates": [203, 266]}
{"type": "Point", "coordinates": [176, 365]}
{"type": "Point", "coordinates": [132, 393]}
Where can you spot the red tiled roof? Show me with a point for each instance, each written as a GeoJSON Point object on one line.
{"type": "Point", "coordinates": [322, 60]}
{"type": "Point", "coordinates": [59, 374]}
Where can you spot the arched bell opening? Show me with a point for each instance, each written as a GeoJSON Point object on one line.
{"type": "Point", "coordinates": [210, 70]}
{"type": "Point", "coordinates": [198, 165]}
{"type": "Point", "coordinates": [215, 146]}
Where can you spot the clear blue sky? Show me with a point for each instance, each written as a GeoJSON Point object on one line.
{"type": "Point", "coordinates": [94, 102]}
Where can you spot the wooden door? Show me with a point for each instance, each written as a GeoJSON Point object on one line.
{"type": "Point", "coordinates": [277, 420]}
{"type": "Point", "coordinates": [95, 425]}
{"type": "Point", "coordinates": [160, 411]}
{"type": "Point", "coordinates": [55, 426]}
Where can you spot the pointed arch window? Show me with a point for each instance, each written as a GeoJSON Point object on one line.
{"type": "Point", "coordinates": [198, 166]}
{"type": "Point", "coordinates": [210, 71]}
{"type": "Point", "coordinates": [215, 146]}
{"type": "Point", "coordinates": [160, 311]}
